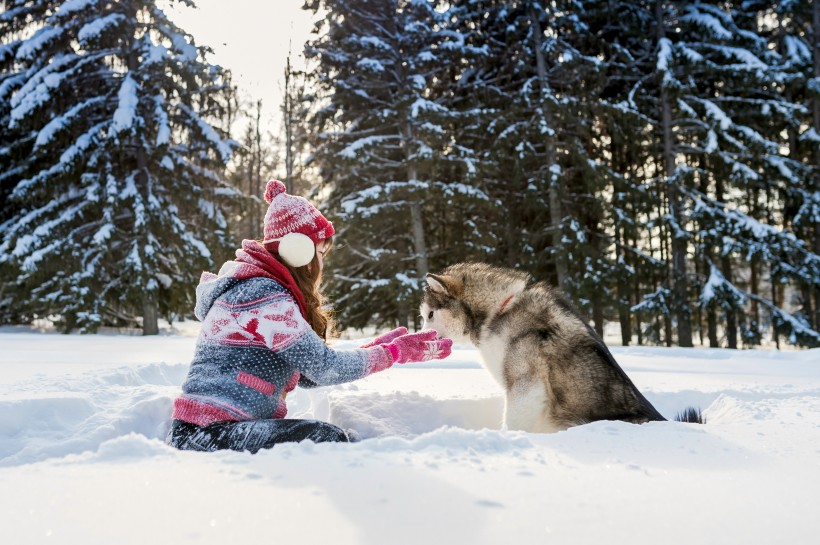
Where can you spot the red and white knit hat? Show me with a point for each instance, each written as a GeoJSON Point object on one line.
{"type": "Point", "coordinates": [291, 214]}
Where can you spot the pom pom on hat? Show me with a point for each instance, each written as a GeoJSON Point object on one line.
{"type": "Point", "coordinates": [274, 188]}
{"type": "Point", "coordinates": [291, 214]}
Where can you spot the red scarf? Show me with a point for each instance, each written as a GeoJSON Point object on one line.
{"type": "Point", "coordinates": [257, 261]}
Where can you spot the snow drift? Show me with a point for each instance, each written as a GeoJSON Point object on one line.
{"type": "Point", "coordinates": [82, 460]}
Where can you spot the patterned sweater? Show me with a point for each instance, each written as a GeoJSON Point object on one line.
{"type": "Point", "coordinates": [254, 347]}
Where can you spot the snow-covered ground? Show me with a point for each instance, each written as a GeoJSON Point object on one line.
{"type": "Point", "coordinates": [82, 460]}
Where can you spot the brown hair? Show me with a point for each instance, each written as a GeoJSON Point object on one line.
{"type": "Point", "coordinates": [309, 280]}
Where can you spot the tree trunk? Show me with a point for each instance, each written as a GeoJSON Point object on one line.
{"type": "Point", "coordinates": [150, 309]}
{"type": "Point", "coordinates": [622, 286]}
{"type": "Point", "coordinates": [776, 304]}
{"type": "Point", "coordinates": [251, 228]}
{"type": "Point", "coordinates": [711, 325]}
{"type": "Point", "coordinates": [754, 265]}
{"type": "Point", "coordinates": [726, 270]}
{"type": "Point", "coordinates": [258, 189]}
{"type": "Point", "coordinates": [598, 314]}
{"type": "Point", "coordinates": [288, 111]}
{"type": "Point", "coordinates": [555, 187]}
{"type": "Point", "coordinates": [422, 266]}
{"type": "Point", "coordinates": [416, 216]}
{"type": "Point", "coordinates": [678, 280]}
{"type": "Point", "coordinates": [816, 111]}
{"type": "Point", "coordinates": [150, 318]}
{"type": "Point", "coordinates": [731, 315]}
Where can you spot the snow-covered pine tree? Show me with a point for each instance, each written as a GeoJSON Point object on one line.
{"type": "Point", "coordinates": [124, 202]}
{"type": "Point", "coordinates": [531, 97]}
{"type": "Point", "coordinates": [383, 146]}
{"type": "Point", "coordinates": [631, 272]}
{"type": "Point", "coordinates": [794, 29]}
{"type": "Point", "coordinates": [15, 145]}
{"type": "Point", "coordinates": [720, 85]}
{"type": "Point", "coordinates": [508, 91]}
{"type": "Point", "coordinates": [656, 77]}
{"type": "Point", "coordinates": [747, 174]}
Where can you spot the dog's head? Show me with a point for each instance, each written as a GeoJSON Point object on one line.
{"type": "Point", "coordinates": [458, 301]}
{"type": "Point", "coordinates": [441, 309]}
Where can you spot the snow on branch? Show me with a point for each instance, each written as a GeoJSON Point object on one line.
{"type": "Point", "coordinates": [37, 89]}
{"type": "Point", "coordinates": [799, 330]}
{"type": "Point", "coordinates": [657, 301]}
{"type": "Point", "coordinates": [61, 122]}
{"type": "Point", "coordinates": [718, 287]}
{"type": "Point", "coordinates": [127, 109]}
{"type": "Point", "coordinates": [41, 39]}
{"type": "Point", "coordinates": [797, 51]}
{"type": "Point", "coordinates": [73, 6]}
{"type": "Point", "coordinates": [714, 111]}
{"type": "Point", "coordinates": [352, 150]}
{"type": "Point", "coordinates": [95, 28]}
{"type": "Point", "coordinates": [707, 21]}
{"type": "Point", "coordinates": [224, 147]}
{"type": "Point", "coordinates": [664, 55]}
{"type": "Point", "coordinates": [67, 159]}
{"type": "Point", "coordinates": [422, 104]}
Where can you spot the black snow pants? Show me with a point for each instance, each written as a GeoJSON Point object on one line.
{"type": "Point", "coordinates": [251, 435]}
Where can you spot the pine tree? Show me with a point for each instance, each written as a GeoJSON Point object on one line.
{"type": "Point", "coordinates": [720, 83]}
{"type": "Point", "coordinates": [533, 94]}
{"type": "Point", "coordinates": [123, 198]}
{"type": "Point", "coordinates": [383, 144]}
{"type": "Point", "coordinates": [668, 181]}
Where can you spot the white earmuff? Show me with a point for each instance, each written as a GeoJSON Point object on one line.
{"type": "Point", "coordinates": [295, 249]}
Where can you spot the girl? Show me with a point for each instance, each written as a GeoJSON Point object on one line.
{"type": "Point", "coordinates": [264, 331]}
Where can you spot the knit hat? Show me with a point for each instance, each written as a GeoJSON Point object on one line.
{"type": "Point", "coordinates": [289, 214]}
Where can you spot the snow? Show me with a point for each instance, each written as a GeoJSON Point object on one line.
{"type": "Point", "coordinates": [422, 104]}
{"type": "Point", "coordinates": [707, 21]}
{"type": "Point", "coordinates": [718, 283]}
{"type": "Point", "coordinates": [224, 147]}
{"type": "Point", "coordinates": [797, 51]}
{"type": "Point", "coordinates": [375, 42]}
{"type": "Point", "coordinates": [164, 130]}
{"type": "Point", "coordinates": [372, 65]}
{"type": "Point", "coordinates": [57, 124]}
{"type": "Point", "coordinates": [37, 89]}
{"type": "Point", "coordinates": [71, 6]}
{"type": "Point", "coordinates": [352, 151]}
{"type": "Point", "coordinates": [103, 233]}
{"type": "Point", "coordinates": [664, 54]}
{"type": "Point", "coordinates": [749, 61]}
{"type": "Point", "coordinates": [41, 39]}
{"type": "Point", "coordinates": [717, 114]}
{"type": "Point", "coordinates": [127, 108]}
{"type": "Point", "coordinates": [82, 461]}
{"type": "Point", "coordinates": [188, 51]}
{"type": "Point", "coordinates": [96, 27]}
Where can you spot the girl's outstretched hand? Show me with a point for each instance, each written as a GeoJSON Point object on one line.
{"type": "Point", "coordinates": [386, 337]}
{"type": "Point", "coordinates": [421, 346]}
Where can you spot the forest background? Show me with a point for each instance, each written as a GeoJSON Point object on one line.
{"type": "Point", "coordinates": [659, 161]}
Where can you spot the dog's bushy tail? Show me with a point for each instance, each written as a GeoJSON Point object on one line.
{"type": "Point", "coordinates": [692, 415]}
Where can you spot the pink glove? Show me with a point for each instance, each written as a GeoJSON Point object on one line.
{"type": "Point", "coordinates": [386, 338]}
{"type": "Point", "coordinates": [421, 346]}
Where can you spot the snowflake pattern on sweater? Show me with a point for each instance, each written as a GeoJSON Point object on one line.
{"type": "Point", "coordinates": [253, 347]}
{"type": "Point", "coordinates": [270, 321]}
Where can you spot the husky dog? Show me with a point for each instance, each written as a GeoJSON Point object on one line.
{"type": "Point", "coordinates": [555, 370]}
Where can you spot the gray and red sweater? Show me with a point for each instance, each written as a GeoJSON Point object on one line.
{"type": "Point", "coordinates": [255, 346]}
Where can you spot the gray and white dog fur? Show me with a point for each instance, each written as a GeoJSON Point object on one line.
{"type": "Point", "coordinates": [555, 370]}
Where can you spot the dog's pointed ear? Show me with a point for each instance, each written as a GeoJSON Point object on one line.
{"type": "Point", "coordinates": [438, 284]}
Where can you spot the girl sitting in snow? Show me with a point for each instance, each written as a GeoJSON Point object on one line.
{"type": "Point", "coordinates": [264, 331]}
